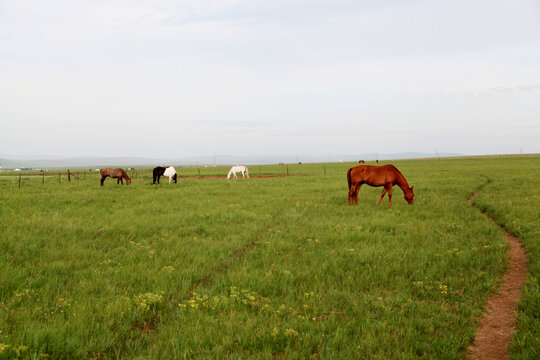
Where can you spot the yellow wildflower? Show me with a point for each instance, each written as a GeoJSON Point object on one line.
{"type": "Point", "coordinates": [291, 333]}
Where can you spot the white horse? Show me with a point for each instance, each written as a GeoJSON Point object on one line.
{"type": "Point", "coordinates": [235, 169]}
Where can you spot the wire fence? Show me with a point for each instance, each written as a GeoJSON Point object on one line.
{"type": "Point", "coordinates": [63, 176]}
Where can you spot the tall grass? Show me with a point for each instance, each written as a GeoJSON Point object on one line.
{"type": "Point", "coordinates": [251, 268]}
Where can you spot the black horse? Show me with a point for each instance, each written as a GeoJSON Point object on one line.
{"type": "Point", "coordinates": [159, 171]}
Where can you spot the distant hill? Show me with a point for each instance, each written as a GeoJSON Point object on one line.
{"type": "Point", "coordinates": [100, 162]}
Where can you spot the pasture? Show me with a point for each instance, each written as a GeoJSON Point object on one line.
{"type": "Point", "coordinates": [266, 267]}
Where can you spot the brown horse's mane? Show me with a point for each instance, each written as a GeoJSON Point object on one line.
{"type": "Point", "coordinates": [400, 174]}
{"type": "Point", "coordinates": [395, 168]}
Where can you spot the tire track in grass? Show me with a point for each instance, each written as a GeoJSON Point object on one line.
{"type": "Point", "coordinates": [237, 255]}
{"type": "Point", "coordinates": [148, 326]}
{"type": "Point", "coordinates": [498, 323]}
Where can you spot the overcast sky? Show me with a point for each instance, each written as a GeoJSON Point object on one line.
{"type": "Point", "coordinates": [180, 78]}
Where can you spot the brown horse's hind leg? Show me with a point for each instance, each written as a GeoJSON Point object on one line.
{"type": "Point", "coordinates": [382, 195]}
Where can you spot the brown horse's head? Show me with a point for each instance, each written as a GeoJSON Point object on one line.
{"type": "Point", "coordinates": [409, 195]}
{"type": "Point", "coordinates": [128, 181]}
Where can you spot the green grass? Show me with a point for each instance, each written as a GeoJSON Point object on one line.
{"type": "Point", "coordinates": [261, 267]}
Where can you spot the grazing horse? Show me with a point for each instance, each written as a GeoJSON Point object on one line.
{"type": "Point", "coordinates": [160, 171]}
{"type": "Point", "coordinates": [241, 169]}
{"type": "Point", "coordinates": [117, 173]}
{"type": "Point", "coordinates": [384, 175]}
{"type": "Point", "coordinates": [361, 162]}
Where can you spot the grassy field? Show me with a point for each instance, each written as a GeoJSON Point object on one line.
{"type": "Point", "coordinates": [262, 267]}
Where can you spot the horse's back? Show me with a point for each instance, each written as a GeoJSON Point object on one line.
{"type": "Point", "coordinates": [373, 174]}
{"type": "Point", "coordinates": [113, 172]}
{"type": "Point", "coordinates": [158, 170]}
{"type": "Point", "coordinates": [105, 171]}
{"type": "Point", "coordinates": [237, 168]}
{"type": "Point", "coordinates": [170, 171]}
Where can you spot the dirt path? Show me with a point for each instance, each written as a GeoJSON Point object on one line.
{"type": "Point", "coordinates": [220, 177]}
{"type": "Point", "coordinates": [498, 324]}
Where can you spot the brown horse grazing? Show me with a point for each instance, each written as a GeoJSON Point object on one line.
{"type": "Point", "coordinates": [384, 175]}
{"type": "Point", "coordinates": [117, 173]}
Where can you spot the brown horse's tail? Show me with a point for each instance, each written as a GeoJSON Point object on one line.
{"type": "Point", "coordinates": [349, 177]}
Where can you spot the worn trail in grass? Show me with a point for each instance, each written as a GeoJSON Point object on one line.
{"type": "Point", "coordinates": [498, 324]}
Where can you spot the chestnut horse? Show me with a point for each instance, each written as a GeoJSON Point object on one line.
{"type": "Point", "coordinates": [373, 175]}
{"type": "Point", "coordinates": [117, 173]}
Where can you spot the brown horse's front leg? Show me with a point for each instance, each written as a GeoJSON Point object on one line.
{"type": "Point", "coordinates": [382, 195]}
{"type": "Point", "coordinates": [390, 194]}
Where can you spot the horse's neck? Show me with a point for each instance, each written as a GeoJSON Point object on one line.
{"type": "Point", "coordinates": [402, 182]}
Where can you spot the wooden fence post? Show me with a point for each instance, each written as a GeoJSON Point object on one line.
{"type": "Point", "coordinates": [287, 169]}
{"type": "Point", "coordinates": [69, 176]}
{"type": "Point", "coordinates": [324, 169]}
{"type": "Point", "coordinates": [59, 177]}
{"type": "Point", "coordinates": [43, 178]}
